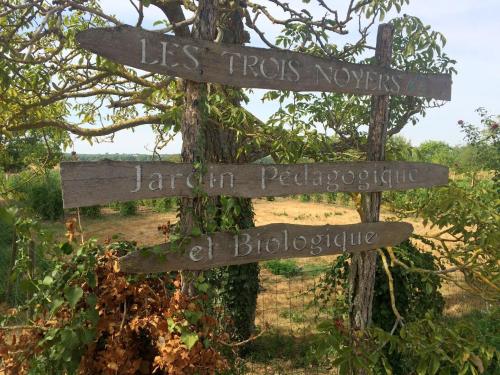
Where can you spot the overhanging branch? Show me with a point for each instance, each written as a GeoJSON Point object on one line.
{"type": "Point", "coordinates": [88, 132]}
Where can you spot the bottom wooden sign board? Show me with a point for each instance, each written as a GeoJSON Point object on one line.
{"type": "Point", "coordinates": [273, 241]}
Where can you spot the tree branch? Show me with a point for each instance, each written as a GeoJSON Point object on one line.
{"type": "Point", "coordinates": [88, 132]}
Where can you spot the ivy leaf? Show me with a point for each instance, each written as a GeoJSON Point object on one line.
{"type": "Point", "coordinates": [66, 248]}
{"type": "Point", "coordinates": [189, 339]}
{"type": "Point", "coordinates": [193, 316]}
{"type": "Point", "coordinates": [73, 294]}
{"type": "Point", "coordinates": [196, 232]}
{"type": "Point", "coordinates": [203, 287]}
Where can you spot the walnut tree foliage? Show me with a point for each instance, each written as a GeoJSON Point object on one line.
{"type": "Point", "coordinates": [50, 85]}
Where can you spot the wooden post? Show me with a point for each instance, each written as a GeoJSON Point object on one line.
{"type": "Point", "coordinates": [363, 265]}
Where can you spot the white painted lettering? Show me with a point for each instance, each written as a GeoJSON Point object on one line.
{"type": "Point", "coordinates": [144, 59]}
{"type": "Point", "coordinates": [347, 78]}
{"type": "Point", "coordinates": [238, 244]}
{"type": "Point", "coordinates": [302, 239]}
{"type": "Point", "coordinates": [369, 236]}
{"type": "Point", "coordinates": [194, 254]}
{"type": "Point", "coordinates": [138, 179]}
{"type": "Point", "coordinates": [231, 60]}
{"type": "Point", "coordinates": [156, 182]}
{"type": "Point", "coordinates": [264, 177]}
{"type": "Point", "coordinates": [251, 65]}
{"type": "Point", "coordinates": [191, 56]}
{"type": "Point", "coordinates": [263, 70]}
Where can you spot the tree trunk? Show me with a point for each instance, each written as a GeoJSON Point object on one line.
{"type": "Point", "coordinates": [363, 265]}
{"type": "Point", "coordinates": [193, 129]}
{"type": "Point", "coordinates": [240, 302]}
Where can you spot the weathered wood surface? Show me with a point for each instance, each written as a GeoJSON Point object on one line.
{"type": "Point", "coordinates": [273, 241]}
{"type": "Point", "coordinates": [363, 266]}
{"type": "Point", "coordinates": [248, 67]}
{"type": "Point", "coordinates": [90, 183]}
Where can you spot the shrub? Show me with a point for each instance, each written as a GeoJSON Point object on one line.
{"type": "Point", "coordinates": [417, 294]}
{"type": "Point", "coordinates": [345, 199]}
{"type": "Point", "coordinates": [331, 198]}
{"type": "Point", "coordinates": [304, 197]}
{"type": "Point", "coordinates": [93, 212]}
{"type": "Point", "coordinates": [164, 204]}
{"type": "Point", "coordinates": [79, 302]}
{"type": "Point", "coordinates": [41, 194]}
{"type": "Point", "coordinates": [114, 206]}
{"type": "Point", "coordinates": [318, 198]}
{"type": "Point", "coordinates": [285, 267]}
{"type": "Point", "coordinates": [128, 208]}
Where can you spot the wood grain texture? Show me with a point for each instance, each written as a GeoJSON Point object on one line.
{"type": "Point", "coordinates": [91, 183]}
{"type": "Point", "coordinates": [363, 265]}
{"type": "Point", "coordinates": [273, 241]}
{"type": "Point", "coordinates": [248, 67]}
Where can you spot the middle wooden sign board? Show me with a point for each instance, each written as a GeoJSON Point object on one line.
{"type": "Point", "coordinates": [91, 183]}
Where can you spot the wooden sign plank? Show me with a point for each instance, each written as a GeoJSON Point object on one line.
{"type": "Point", "coordinates": [249, 67]}
{"type": "Point", "coordinates": [91, 183]}
{"type": "Point", "coordinates": [273, 241]}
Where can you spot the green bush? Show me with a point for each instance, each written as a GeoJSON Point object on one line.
{"type": "Point", "coordinates": [92, 212]}
{"type": "Point", "coordinates": [318, 198]}
{"type": "Point", "coordinates": [128, 208]}
{"type": "Point", "coordinates": [304, 197]}
{"type": "Point", "coordinates": [41, 193]}
{"type": "Point", "coordinates": [164, 205]}
{"type": "Point", "coordinates": [417, 295]}
{"type": "Point", "coordinates": [345, 199]}
{"type": "Point", "coordinates": [114, 206]}
{"type": "Point", "coordinates": [331, 198]}
{"type": "Point", "coordinates": [285, 267]}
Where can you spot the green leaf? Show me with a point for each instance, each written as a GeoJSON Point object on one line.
{"type": "Point", "coordinates": [6, 217]}
{"type": "Point", "coordinates": [56, 303]}
{"type": "Point", "coordinates": [196, 232]}
{"type": "Point", "coordinates": [172, 326]}
{"type": "Point", "coordinates": [66, 248]}
{"type": "Point", "coordinates": [47, 280]}
{"type": "Point", "coordinates": [192, 316]}
{"type": "Point", "coordinates": [203, 287]}
{"type": "Point", "coordinates": [189, 339]}
{"type": "Point", "coordinates": [69, 338]}
{"type": "Point", "coordinates": [73, 294]}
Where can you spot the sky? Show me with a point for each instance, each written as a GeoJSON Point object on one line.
{"type": "Point", "coordinates": [471, 27]}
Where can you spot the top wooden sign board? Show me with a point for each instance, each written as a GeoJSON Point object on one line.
{"type": "Point", "coordinates": [249, 67]}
